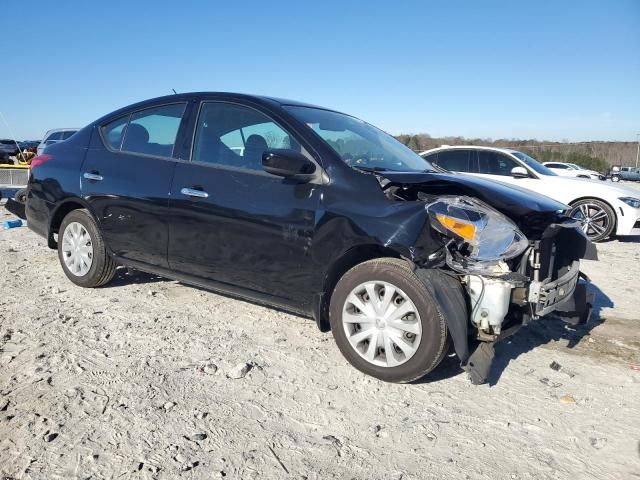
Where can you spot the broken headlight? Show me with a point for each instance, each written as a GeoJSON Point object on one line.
{"type": "Point", "coordinates": [483, 237]}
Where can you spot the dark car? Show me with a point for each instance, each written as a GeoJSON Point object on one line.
{"type": "Point", "coordinates": [8, 148]}
{"type": "Point", "coordinates": [313, 211]}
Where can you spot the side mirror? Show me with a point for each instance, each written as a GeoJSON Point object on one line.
{"type": "Point", "coordinates": [519, 172]}
{"type": "Point", "coordinates": [288, 164]}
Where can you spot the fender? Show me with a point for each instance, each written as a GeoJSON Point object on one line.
{"type": "Point", "coordinates": [61, 210]}
{"type": "Point", "coordinates": [447, 291]}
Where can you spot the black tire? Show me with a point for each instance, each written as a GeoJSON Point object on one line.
{"type": "Point", "coordinates": [21, 196]}
{"type": "Point", "coordinates": [615, 178]}
{"type": "Point", "coordinates": [103, 268]}
{"type": "Point", "coordinates": [433, 344]}
{"type": "Point", "coordinates": [604, 230]}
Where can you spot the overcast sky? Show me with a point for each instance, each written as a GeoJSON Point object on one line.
{"type": "Point", "coordinates": [544, 69]}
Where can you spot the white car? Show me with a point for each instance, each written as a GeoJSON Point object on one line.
{"type": "Point", "coordinates": [604, 209]}
{"type": "Point", "coordinates": [55, 136]}
{"type": "Point", "coordinates": [572, 170]}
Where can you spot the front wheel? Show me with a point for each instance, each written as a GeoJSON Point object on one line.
{"type": "Point", "coordinates": [615, 178]}
{"type": "Point", "coordinates": [82, 252]}
{"type": "Point", "coordinates": [385, 322]}
{"type": "Point", "coordinates": [597, 219]}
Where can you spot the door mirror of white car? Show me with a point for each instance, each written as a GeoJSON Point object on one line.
{"type": "Point", "coordinates": [519, 172]}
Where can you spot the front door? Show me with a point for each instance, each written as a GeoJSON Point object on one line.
{"type": "Point", "coordinates": [232, 222]}
{"type": "Point", "coordinates": [126, 178]}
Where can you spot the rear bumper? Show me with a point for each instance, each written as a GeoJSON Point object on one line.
{"type": "Point", "coordinates": [37, 213]}
{"type": "Point", "coordinates": [16, 208]}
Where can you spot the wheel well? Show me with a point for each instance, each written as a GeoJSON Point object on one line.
{"type": "Point", "coordinates": [341, 266]}
{"type": "Point", "coordinates": [615, 219]}
{"type": "Point", "coordinates": [58, 216]}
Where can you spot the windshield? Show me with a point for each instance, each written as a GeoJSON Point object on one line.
{"type": "Point", "coordinates": [576, 167]}
{"type": "Point", "coordinates": [359, 144]}
{"type": "Point", "coordinates": [534, 164]}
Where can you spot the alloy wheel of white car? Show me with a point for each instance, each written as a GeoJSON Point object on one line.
{"type": "Point", "coordinates": [381, 323]}
{"type": "Point", "coordinates": [595, 219]}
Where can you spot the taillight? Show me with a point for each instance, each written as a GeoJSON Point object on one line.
{"type": "Point", "coordinates": [39, 160]}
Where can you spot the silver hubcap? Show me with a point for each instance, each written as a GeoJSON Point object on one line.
{"type": "Point", "coordinates": [77, 249]}
{"type": "Point", "coordinates": [382, 324]}
{"type": "Point", "coordinates": [593, 219]}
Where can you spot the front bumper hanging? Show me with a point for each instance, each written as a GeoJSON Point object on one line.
{"type": "Point", "coordinates": [554, 284]}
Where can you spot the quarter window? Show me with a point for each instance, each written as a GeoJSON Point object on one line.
{"type": "Point", "coordinates": [237, 136]}
{"type": "Point", "coordinates": [114, 131]}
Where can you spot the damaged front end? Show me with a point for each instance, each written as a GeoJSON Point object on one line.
{"type": "Point", "coordinates": [506, 278]}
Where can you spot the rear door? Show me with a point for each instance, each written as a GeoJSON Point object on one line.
{"type": "Point", "coordinates": [126, 178]}
{"type": "Point", "coordinates": [232, 222]}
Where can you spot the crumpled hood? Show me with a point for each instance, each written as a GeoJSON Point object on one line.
{"type": "Point", "coordinates": [513, 201]}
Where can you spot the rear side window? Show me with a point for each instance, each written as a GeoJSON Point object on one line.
{"type": "Point", "coordinates": [54, 136]}
{"type": "Point", "coordinates": [454, 160]}
{"type": "Point", "coordinates": [150, 132]}
{"type": "Point", "coordinates": [67, 134]}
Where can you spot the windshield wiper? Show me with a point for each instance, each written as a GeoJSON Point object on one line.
{"type": "Point", "coordinates": [371, 169]}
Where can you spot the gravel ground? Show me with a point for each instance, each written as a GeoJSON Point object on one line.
{"type": "Point", "coordinates": [149, 378]}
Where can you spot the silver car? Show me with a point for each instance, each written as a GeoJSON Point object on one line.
{"type": "Point", "coordinates": [54, 136]}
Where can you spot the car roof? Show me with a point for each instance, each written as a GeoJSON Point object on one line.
{"type": "Point", "coordinates": [54, 130]}
{"type": "Point", "coordinates": [474, 147]}
{"type": "Point", "coordinates": [239, 96]}
{"type": "Point", "coordinates": [180, 97]}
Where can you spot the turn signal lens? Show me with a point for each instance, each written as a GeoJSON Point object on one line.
{"type": "Point", "coordinates": [463, 229]}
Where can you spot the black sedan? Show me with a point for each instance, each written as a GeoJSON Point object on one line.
{"type": "Point", "coordinates": [314, 211]}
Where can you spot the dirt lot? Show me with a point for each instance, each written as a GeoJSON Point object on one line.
{"type": "Point", "coordinates": [139, 380]}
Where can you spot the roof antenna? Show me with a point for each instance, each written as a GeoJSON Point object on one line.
{"type": "Point", "coordinates": [174, 91]}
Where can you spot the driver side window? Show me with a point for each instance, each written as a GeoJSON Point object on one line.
{"type": "Point", "coordinates": [237, 136]}
{"type": "Point", "coordinates": [494, 163]}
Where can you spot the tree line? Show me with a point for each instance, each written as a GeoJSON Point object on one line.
{"type": "Point", "coordinates": [599, 156]}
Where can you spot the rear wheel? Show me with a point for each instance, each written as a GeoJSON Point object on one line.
{"type": "Point", "coordinates": [385, 323]}
{"type": "Point", "coordinates": [82, 252]}
{"type": "Point", "coordinates": [597, 219]}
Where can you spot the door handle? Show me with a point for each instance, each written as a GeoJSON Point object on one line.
{"type": "Point", "coordinates": [93, 176]}
{"type": "Point", "coordinates": [192, 192]}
